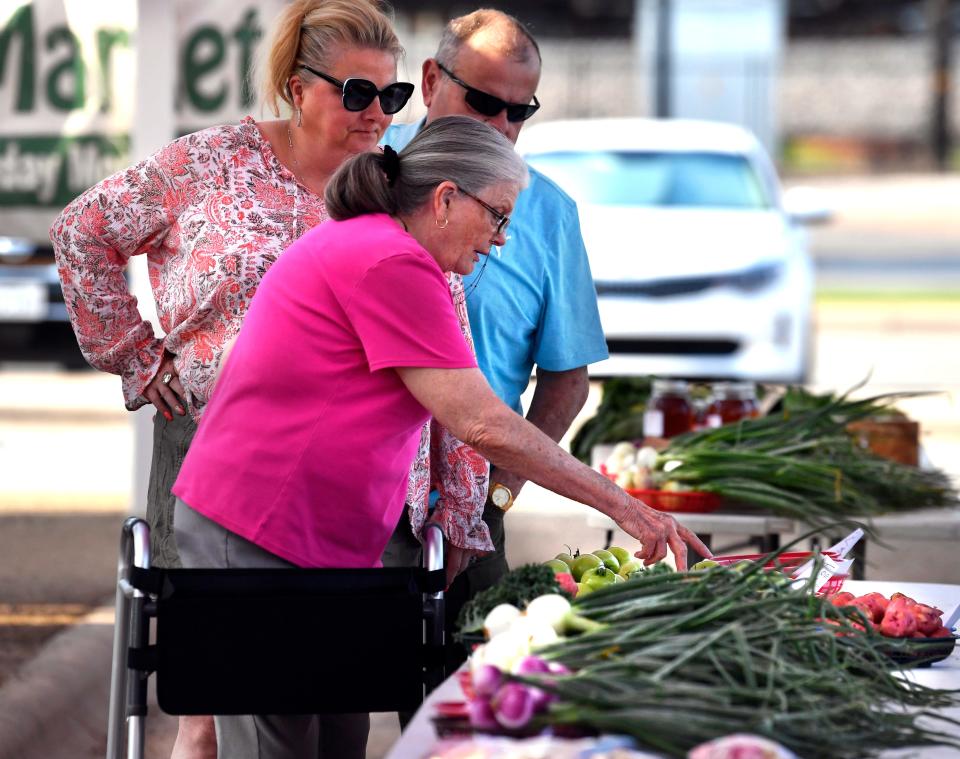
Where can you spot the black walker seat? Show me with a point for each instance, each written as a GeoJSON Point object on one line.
{"type": "Point", "coordinates": [272, 641]}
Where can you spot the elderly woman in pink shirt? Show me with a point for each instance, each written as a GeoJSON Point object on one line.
{"type": "Point", "coordinates": [212, 212]}
{"type": "Point", "coordinates": [350, 346]}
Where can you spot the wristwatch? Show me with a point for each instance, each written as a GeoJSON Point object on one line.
{"type": "Point", "coordinates": [500, 496]}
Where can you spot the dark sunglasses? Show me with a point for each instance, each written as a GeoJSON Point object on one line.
{"type": "Point", "coordinates": [359, 93]}
{"type": "Point", "coordinates": [490, 105]}
{"type": "Point", "coordinates": [502, 220]}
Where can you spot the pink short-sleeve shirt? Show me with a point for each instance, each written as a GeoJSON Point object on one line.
{"type": "Point", "coordinates": [306, 445]}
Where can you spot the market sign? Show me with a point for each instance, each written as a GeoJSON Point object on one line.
{"type": "Point", "coordinates": [67, 85]}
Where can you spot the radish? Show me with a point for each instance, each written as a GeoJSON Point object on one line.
{"type": "Point", "coordinates": [513, 706]}
{"type": "Point", "coordinates": [481, 714]}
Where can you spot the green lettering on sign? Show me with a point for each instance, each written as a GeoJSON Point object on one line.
{"type": "Point", "coordinates": [246, 35]}
{"type": "Point", "coordinates": [70, 67]}
{"type": "Point", "coordinates": [21, 25]}
{"type": "Point", "coordinates": [51, 170]}
{"type": "Point", "coordinates": [106, 39]}
{"type": "Point", "coordinates": [203, 54]}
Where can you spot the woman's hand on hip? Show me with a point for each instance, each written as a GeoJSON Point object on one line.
{"type": "Point", "coordinates": [658, 531]}
{"type": "Point", "coordinates": [165, 391]}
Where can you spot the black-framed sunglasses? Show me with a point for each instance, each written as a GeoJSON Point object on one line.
{"type": "Point", "coordinates": [502, 220]}
{"type": "Point", "coordinates": [359, 93]}
{"type": "Point", "coordinates": [490, 105]}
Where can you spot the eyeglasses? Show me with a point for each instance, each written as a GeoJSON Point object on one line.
{"type": "Point", "coordinates": [502, 220]}
{"type": "Point", "coordinates": [489, 105]}
{"type": "Point", "coordinates": [359, 93]}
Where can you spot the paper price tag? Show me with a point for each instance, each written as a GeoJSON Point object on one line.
{"type": "Point", "coordinates": [828, 570]}
{"type": "Point", "coordinates": [842, 548]}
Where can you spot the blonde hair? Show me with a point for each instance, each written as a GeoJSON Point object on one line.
{"type": "Point", "coordinates": [308, 32]}
{"type": "Point", "coordinates": [460, 149]}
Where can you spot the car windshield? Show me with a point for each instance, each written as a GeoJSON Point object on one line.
{"type": "Point", "coordinates": [710, 180]}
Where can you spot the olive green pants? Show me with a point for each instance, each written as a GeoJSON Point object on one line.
{"type": "Point", "coordinates": [170, 443]}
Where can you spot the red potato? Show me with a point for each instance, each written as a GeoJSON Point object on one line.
{"type": "Point", "coordinates": [875, 604]}
{"type": "Point", "coordinates": [906, 598]}
{"type": "Point", "coordinates": [842, 598]}
{"type": "Point", "coordinates": [867, 609]}
{"type": "Point", "coordinates": [898, 622]}
{"type": "Point", "coordinates": [900, 602]}
{"type": "Point", "coordinates": [928, 618]}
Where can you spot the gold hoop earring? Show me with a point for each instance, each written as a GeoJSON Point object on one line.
{"type": "Point", "coordinates": [299, 117]}
{"type": "Point", "coordinates": [444, 225]}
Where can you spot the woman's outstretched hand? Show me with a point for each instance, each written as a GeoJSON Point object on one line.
{"type": "Point", "coordinates": [657, 532]}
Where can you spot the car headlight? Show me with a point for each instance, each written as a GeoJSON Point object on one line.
{"type": "Point", "coordinates": [756, 278]}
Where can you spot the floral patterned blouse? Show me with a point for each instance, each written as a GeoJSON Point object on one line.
{"type": "Point", "coordinates": [212, 211]}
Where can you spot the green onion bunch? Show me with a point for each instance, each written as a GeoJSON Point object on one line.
{"type": "Point", "coordinates": [802, 463]}
{"type": "Point", "coordinates": [687, 657]}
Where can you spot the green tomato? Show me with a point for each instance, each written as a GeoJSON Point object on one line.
{"type": "Point", "coordinates": [622, 554]}
{"type": "Point", "coordinates": [584, 562]}
{"type": "Point", "coordinates": [556, 565]}
{"type": "Point", "coordinates": [609, 560]}
{"type": "Point", "coordinates": [631, 567]}
{"type": "Point", "coordinates": [599, 577]}
{"type": "Point", "coordinates": [566, 559]}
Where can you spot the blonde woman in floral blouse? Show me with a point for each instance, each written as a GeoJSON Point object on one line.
{"type": "Point", "coordinates": [212, 211]}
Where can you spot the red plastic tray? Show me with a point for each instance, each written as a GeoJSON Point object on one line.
{"type": "Point", "coordinates": [689, 501]}
{"type": "Point", "coordinates": [789, 560]}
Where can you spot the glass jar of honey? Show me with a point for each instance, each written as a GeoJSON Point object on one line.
{"type": "Point", "coordinates": [669, 411]}
{"type": "Point", "coordinates": [732, 401]}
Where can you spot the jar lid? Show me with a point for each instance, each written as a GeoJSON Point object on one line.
{"type": "Point", "coordinates": [670, 387]}
{"type": "Point", "coordinates": [734, 391]}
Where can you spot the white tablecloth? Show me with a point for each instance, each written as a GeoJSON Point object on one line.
{"type": "Point", "coordinates": [417, 740]}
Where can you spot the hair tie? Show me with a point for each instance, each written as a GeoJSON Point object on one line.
{"type": "Point", "coordinates": [391, 165]}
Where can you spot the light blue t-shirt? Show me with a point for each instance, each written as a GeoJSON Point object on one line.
{"type": "Point", "coordinates": [535, 303]}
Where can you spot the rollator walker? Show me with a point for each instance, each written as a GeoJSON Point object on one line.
{"type": "Point", "coordinates": [271, 641]}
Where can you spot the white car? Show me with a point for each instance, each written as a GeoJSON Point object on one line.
{"type": "Point", "coordinates": [701, 270]}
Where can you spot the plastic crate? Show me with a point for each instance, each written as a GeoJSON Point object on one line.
{"type": "Point", "coordinates": [790, 560]}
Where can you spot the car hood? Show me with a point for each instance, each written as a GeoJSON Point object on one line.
{"type": "Point", "coordinates": [644, 244]}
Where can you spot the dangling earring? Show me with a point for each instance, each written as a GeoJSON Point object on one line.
{"type": "Point", "coordinates": [299, 117]}
{"type": "Point", "coordinates": [439, 226]}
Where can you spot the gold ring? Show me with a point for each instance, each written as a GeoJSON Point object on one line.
{"type": "Point", "coordinates": [166, 378]}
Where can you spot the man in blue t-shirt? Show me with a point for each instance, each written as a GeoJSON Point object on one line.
{"type": "Point", "coordinates": [535, 303]}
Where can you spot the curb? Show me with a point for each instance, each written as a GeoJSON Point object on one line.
{"type": "Point", "coordinates": [60, 697]}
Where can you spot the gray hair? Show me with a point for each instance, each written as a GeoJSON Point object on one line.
{"type": "Point", "coordinates": [513, 39]}
{"type": "Point", "coordinates": [460, 149]}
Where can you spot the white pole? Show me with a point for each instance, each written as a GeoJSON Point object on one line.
{"type": "Point", "coordinates": [153, 127]}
